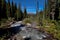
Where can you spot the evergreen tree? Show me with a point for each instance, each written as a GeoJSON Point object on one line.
{"type": "Point", "coordinates": [13, 11]}
{"type": "Point", "coordinates": [59, 7]}
{"type": "Point", "coordinates": [37, 8]}
{"type": "Point", "coordinates": [0, 9]}
{"type": "Point", "coordinates": [56, 11]}
{"type": "Point", "coordinates": [21, 13]}
{"type": "Point", "coordinates": [25, 13]}
{"type": "Point", "coordinates": [18, 14]}
{"type": "Point", "coordinates": [15, 8]}
{"type": "Point", "coordinates": [3, 9]}
{"type": "Point", "coordinates": [48, 8]}
{"type": "Point", "coordinates": [8, 11]}
{"type": "Point", "coordinates": [45, 9]}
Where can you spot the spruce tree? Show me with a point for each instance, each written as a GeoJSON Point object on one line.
{"type": "Point", "coordinates": [25, 13]}
{"type": "Point", "coordinates": [18, 13]}
{"type": "Point", "coordinates": [0, 9]}
{"type": "Point", "coordinates": [59, 7]}
{"type": "Point", "coordinates": [15, 15]}
{"type": "Point", "coordinates": [37, 8]}
{"type": "Point", "coordinates": [21, 13]}
{"type": "Point", "coordinates": [12, 9]}
{"type": "Point", "coordinates": [8, 9]}
{"type": "Point", "coordinates": [4, 9]}
{"type": "Point", "coordinates": [7, 12]}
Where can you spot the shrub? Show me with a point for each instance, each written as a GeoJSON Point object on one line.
{"type": "Point", "coordinates": [27, 20]}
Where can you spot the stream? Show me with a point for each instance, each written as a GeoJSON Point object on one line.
{"type": "Point", "coordinates": [27, 33]}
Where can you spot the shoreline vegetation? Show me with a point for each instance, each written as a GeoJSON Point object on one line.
{"type": "Point", "coordinates": [5, 23]}
{"type": "Point", "coordinates": [51, 27]}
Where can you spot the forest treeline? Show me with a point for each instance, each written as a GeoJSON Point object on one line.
{"type": "Point", "coordinates": [53, 9]}
{"type": "Point", "coordinates": [11, 10]}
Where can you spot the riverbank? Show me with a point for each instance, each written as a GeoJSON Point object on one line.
{"type": "Point", "coordinates": [27, 28]}
{"type": "Point", "coordinates": [5, 23]}
{"type": "Point", "coordinates": [48, 27]}
{"type": "Point", "coordinates": [34, 33]}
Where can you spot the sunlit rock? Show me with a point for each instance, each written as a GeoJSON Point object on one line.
{"type": "Point", "coordinates": [28, 24]}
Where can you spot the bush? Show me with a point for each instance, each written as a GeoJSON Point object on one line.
{"type": "Point", "coordinates": [27, 20]}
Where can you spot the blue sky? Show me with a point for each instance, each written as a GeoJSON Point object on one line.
{"type": "Point", "coordinates": [30, 5]}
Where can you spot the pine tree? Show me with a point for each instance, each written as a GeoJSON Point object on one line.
{"type": "Point", "coordinates": [18, 14]}
{"type": "Point", "coordinates": [45, 11]}
{"type": "Point", "coordinates": [15, 15]}
{"type": "Point", "coordinates": [13, 11]}
{"type": "Point", "coordinates": [21, 13]}
{"type": "Point", "coordinates": [59, 7]}
{"type": "Point", "coordinates": [37, 8]}
{"type": "Point", "coordinates": [48, 8]}
{"type": "Point", "coordinates": [4, 9]}
{"type": "Point", "coordinates": [8, 9]}
{"type": "Point", "coordinates": [25, 13]}
{"type": "Point", "coordinates": [0, 9]}
{"type": "Point", "coordinates": [7, 12]}
{"type": "Point", "coordinates": [56, 11]}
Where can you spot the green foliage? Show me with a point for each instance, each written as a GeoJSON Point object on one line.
{"type": "Point", "coordinates": [19, 13]}
{"type": "Point", "coordinates": [9, 9]}
{"type": "Point", "coordinates": [52, 27]}
{"type": "Point", "coordinates": [25, 13]}
{"type": "Point", "coordinates": [3, 20]}
{"type": "Point", "coordinates": [27, 20]}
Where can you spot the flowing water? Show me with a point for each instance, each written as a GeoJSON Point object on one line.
{"type": "Point", "coordinates": [32, 33]}
{"type": "Point", "coordinates": [24, 32]}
